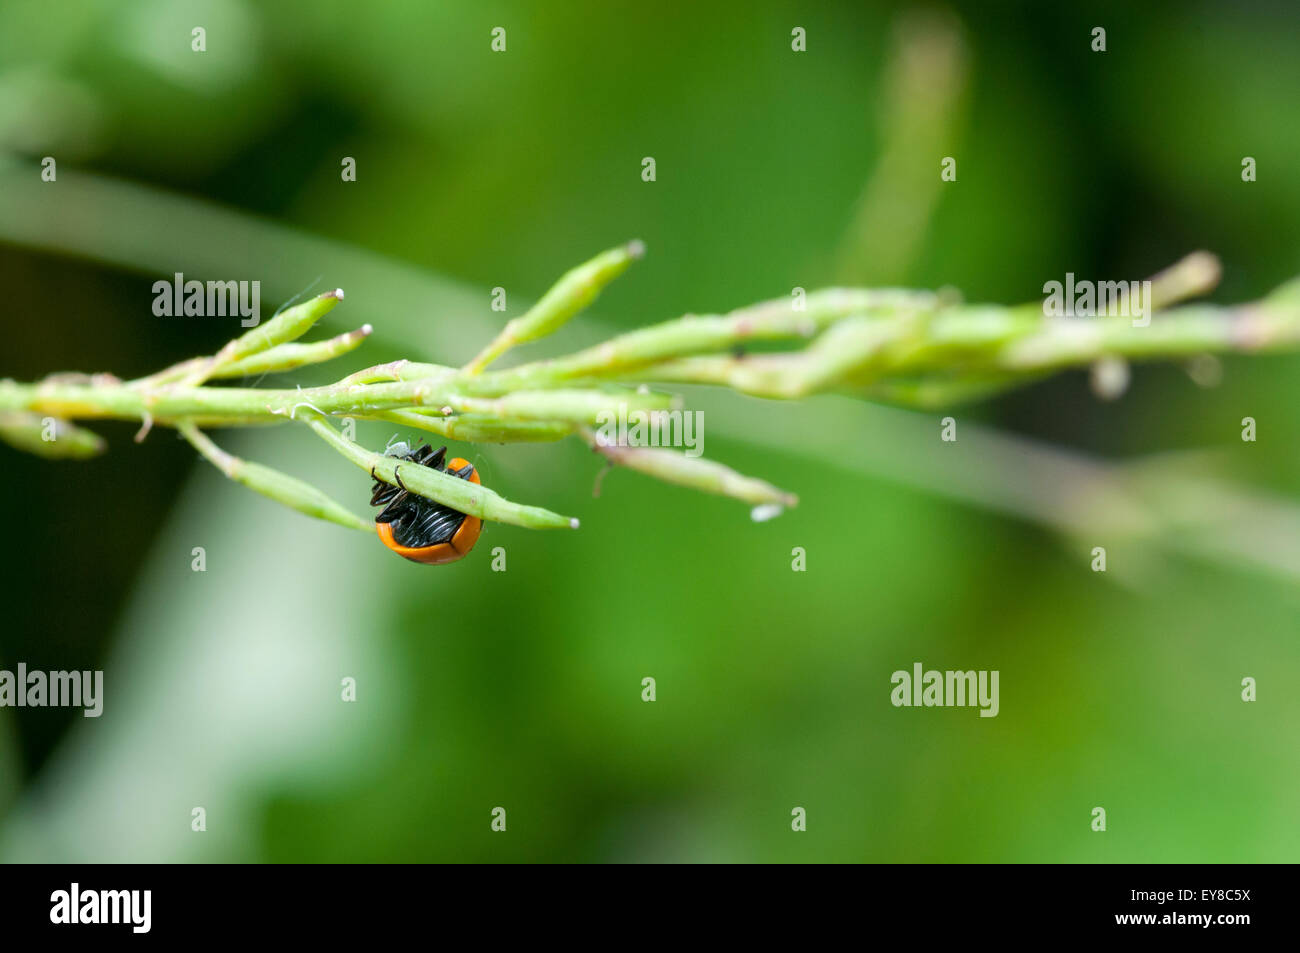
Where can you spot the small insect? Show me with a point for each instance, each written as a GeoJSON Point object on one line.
{"type": "Point", "coordinates": [419, 529]}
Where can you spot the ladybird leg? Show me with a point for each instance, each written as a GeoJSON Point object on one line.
{"type": "Point", "coordinates": [398, 512]}
{"type": "Point", "coordinates": [397, 475]}
{"type": "Point", "coordinates": [391, 496]}
{"type": "Point", "coordinates": [382, 492]}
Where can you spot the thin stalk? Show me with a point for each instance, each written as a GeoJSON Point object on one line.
{"type": "Point", "coordinates": [176, 402]}
{"type": "Point", "coordinates": [287, 357]}
{"type": "Point", "coordinates": [272, 483]}
{"type": "Point", "coordinates": [47, 437]}
{"type": "Point", "coordinates": [573, 292]}
{"type": "Point", "coordinates": [283, 357]}
{"type": "Point", "coordinates": [474, 428]}
{"type": "Point", "coordinates": [288, 325]}
{"type": "Point", "coordinates": [696, 473]}
{"type": "Point", "coordinates": [778, 319]}
{"type": "Point", "coordinates": [471, 498]}
{"type": "Point", "coordinates": [843, 350]}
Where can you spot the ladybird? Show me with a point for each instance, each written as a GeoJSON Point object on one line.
{"type": "Point", "coordinates": [419, 529]}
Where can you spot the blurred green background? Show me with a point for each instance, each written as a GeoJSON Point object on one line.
{"type": "Point", "coordinates": [522, 689]}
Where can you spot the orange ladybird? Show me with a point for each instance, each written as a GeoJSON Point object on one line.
{"type": "Point", "coordinates": [419, 529]}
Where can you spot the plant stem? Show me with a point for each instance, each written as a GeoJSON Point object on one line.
{"type": "Point", "coordinates": [51, 438]}
{"type": "Point", "coordinates": [175, 402]}
{"type": "Point", "coordinates": [273, 484]}
{"type": "Point", "coordinates": [916, 348]}
{"type": "Point", "coordinates": [573, 292]}
{"type": "Point", "coordinates": [673, 466]}
{"type": "Point", "coordinates": [471, 498]}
